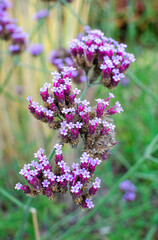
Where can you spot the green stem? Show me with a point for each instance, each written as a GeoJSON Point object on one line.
{"type": "Point", "coordinates": [22, 227]}
{"type": "Point", "coordinates": [151, 232]}
{"type": "Point", "coordinates": [7, 79]}
{"type": "Point", "coordinates": [59, 29]}
{"type": "Point", "coordinates": [40, 23]}
{"type": "Point", "coordinates": [142, 86]}
{"type": "Point", "coordinates": [11, 198]}
{"type": "Point", "coordinates": [84, 92]}
{"type": "Point", "coordinates": [51, 154]}
{"type": "Point", "coordinates": [67, 5]}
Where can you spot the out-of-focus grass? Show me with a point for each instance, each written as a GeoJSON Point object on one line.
{"type": "Point", "coordinates": [21, 135]}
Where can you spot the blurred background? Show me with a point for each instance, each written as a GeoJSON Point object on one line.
{"type": "Point", "coordinates": [136, 155]}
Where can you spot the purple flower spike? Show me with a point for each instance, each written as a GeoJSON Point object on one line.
{"type": "Point", "coordinates": [36, 49]}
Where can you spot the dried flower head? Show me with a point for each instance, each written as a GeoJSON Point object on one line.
{"type": "Point", "coordinates": [99, 55]}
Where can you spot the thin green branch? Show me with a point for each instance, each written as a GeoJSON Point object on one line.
{"type": "Point", "coordinates": [84, 92]}
{"type": "Point", "coordinates": [142, 86]}
{"type": "Point", "coordinates": [7, 79]}
{"type": "Point", "coordinates": [59, 29]}
{"type": "Point", "coordinates": [11, 198]}
{"type": "Point", "coordinates": [51, 154]}
{"type": "Point", "coordinates": [151, 232]}
{"type": "Point", "coordinates": [40, 23]}
{"type": "Point", "coordinates": [22, 227]}
{"type": "Point", "coordinates": [67, 5]}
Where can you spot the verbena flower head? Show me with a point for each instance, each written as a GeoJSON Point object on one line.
{"type": "Point", "coordinates": [130, 190]}
{"type": "Point", "coordinates": [62, 109]}
{"type": "Point", "coordinates": [99, 55]}
{"type": "Point", "coordinates": [62, 57]}
{"type": "Point", "coordinates": [10, 31]}
{"type": "Point", "coordinates": [43, 13]}
{"type": "Point", "coordinates": [4, 5]}
{"type": "Point", "coordinates": [36, 49]}
{"type": "Point", "coordinates": [42, 180]}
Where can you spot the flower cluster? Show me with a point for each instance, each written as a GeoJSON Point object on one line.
{"type": "Point", "coordinates": [10, 31]}
{"type": "Point", "coordinates": [75, 118]}
{"type": "Point", "coordinates": [130, 190]}
{"type": "Point", "coordinates": [42, 180]}
{"type": "Point", "coordinates": [36, 49]}
{"type": "Point", "coordinates": [101, 56]}
{"type": "Point", "coordinates": [62, 57]}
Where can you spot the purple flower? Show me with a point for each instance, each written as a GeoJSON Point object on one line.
{"type": "Point", "coordinates": [125, 81]}
{"type": "Point", "coordinates": [5, 4]}
{"type": "Point", "coordinates": [129, 196]}
{"type": "Point", "coordinates": [74, 119]}
{"type": "Point", "coordinates": [129, 188]}
{"type": "Point", "coordinates": [62, 57]}
{"type": "Point", "coordinates": [127, 185]}
{"type": "Point", "coordinates": [105, 55]}
{"type": "Point", "coordinates": [86, 28]}
{"type": "Point", "coordinates": [45, 183]}
{"type": "Point", "coordinates": [14, 49]}
{"type": "Point", "coordinates": [18, 186]}
{"type": "Point", "coordinates": [36, 49]}
{"type": "Point", "coordinates": [43, 13]}
{"type": "Point", "coordinates": [89, 203]}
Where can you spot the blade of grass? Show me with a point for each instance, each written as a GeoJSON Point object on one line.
{"type": "Point", "coordinates": [103, 200]}
{"type": "Point", "coordinates": [121, 158]}
{"type": "Point", "coordinates": [51, 154]}
{"type": "Point", "coordinates": [7, 79]}
{"type": "Point", "coordinates": [11, 198]}
{"type": "Point", "coordinates": [115, 219]}
{"type": "Point", "coordinates": [40, 23]}
{"type": "Point", "coordinates": [22, 227]}
{"type": "Point", "coordinates": [151, 233]}
{"type": "Point", "coordinates": [142, 86]}
{"type": "Point", "coordinates": [153, 159]}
